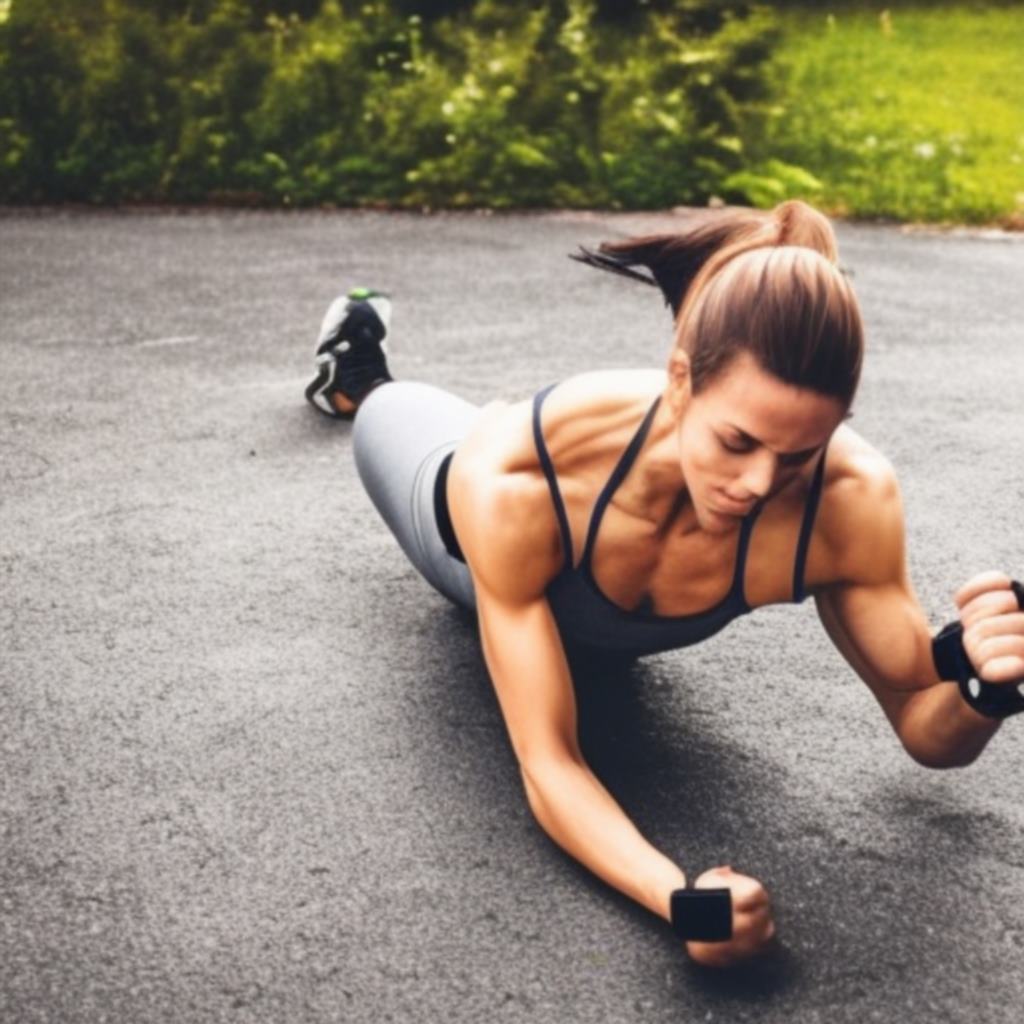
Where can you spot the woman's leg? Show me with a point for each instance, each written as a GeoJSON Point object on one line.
{"type": "Point", "coordinates": [402, 432]}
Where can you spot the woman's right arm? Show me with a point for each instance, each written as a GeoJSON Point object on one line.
{"type": "Point", "coordinates": [509, 536]}
{"type": "Point", "coordinates": [527, 664]}
{"type": "Point", "coordinates": [530, 675]}
{"type": "Point", "coordinates": [507, 532]}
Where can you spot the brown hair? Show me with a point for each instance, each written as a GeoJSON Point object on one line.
{"type": "Point", "coordinates": [765, 282]}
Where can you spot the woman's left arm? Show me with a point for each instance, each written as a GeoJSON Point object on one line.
{"type": "Point", "coordinates": [875, 620]}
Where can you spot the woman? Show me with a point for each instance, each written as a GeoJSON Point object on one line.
{"type": "Point", "coordinates": [635, 511]}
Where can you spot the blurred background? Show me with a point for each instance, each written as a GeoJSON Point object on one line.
{"type": "Point", "coordinates": [911, 111]}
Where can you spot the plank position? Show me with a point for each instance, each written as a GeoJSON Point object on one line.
{"type": "Point", "coordinates": [636, 511]}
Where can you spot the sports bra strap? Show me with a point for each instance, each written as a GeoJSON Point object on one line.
{"type": "Point", "coordinates": [622, 467]}
{"type": "Point", "coordinates": [549, 472]}
{"type": "Point", "coordinates": [799, 593]}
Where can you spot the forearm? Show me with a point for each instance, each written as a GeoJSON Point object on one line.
{"type": "Point", "coordinates": [581, 816]}
{"type": "Point", "coordinates": [940, 730]}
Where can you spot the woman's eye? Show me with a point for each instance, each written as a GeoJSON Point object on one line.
{"type": "Point", "coordinates": [737, 449]}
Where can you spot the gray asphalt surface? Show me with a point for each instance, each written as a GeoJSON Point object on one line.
{"type": "Point", "coordinates": [251, 766]}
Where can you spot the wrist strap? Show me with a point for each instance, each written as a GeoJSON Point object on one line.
{"type": "Point", "coordinates": [994, 700]}
{"type": "Point", "coordinates": [702, 915]}
{"type": "Point", "coordinates": [951, 661]}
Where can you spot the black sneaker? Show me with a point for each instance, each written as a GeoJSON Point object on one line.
{"type": "Point", "coordinates": [350, 350]}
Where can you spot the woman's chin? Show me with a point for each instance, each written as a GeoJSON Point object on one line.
{"type": "Point", "coordinates": [714, 521]}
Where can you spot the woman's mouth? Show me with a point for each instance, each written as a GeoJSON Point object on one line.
{"type": "Point", "coordinates": [727, 508]}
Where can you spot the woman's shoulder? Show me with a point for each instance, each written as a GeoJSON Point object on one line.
{"type": "Point", "coordinates": [501, 502]}
{"type": "Point", "coordinates": [575, 414]}
{"type": "Point", "coordinates": [853, 464]}
{"type": "Point", "coordinates": [861, 510]}
{"type": "Point", "coordinates": [500, 507]}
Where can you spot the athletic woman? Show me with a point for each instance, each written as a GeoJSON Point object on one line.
{"type": "Point", "coordinates": [636, 511]}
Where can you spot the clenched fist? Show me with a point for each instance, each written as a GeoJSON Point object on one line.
{"type": "Point", "coordinates": [752, 924]}
{"type": "Point", "coordinates": [993, 625]}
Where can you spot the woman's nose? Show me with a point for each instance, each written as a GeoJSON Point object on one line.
{"type": "Point", "coordinates": [758, 475]}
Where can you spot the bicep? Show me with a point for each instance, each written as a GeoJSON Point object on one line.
{"type": "Point", "coordinates": [871, 613]}
{"type": "Point", "coordinates": [881, 632]}
{"type": "Point", "coordinates": [509, 537]}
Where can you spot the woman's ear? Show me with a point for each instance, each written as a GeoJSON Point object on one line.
{"type": "Point", "coordinates": [678, 392]}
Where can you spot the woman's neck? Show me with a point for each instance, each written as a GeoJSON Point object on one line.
{"type": "Point", "coordinates": [657, 490]}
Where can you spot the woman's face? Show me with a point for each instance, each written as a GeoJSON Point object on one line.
{"type": "Point", "coordinates": [746, 436]}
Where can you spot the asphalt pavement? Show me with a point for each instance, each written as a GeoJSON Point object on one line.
{"type": "Point", "coordinates": [252, 767]}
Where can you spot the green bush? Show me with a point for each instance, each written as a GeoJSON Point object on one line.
{"type": "Point", "coordinates": [456, 103]}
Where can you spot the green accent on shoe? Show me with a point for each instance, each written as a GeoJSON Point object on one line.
{"type": "Point", "coordinates": [361, 293]}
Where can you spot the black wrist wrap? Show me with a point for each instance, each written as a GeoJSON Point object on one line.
{"type": "Point", "coordinates": [995, 700]}
{"type": "Point", "coordinates": [702, 915]}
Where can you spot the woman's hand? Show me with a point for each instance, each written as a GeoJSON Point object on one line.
{"type": "Point", "coordinates": [752, 924]}
{"type": "Point", "coordinates": [993, 627]}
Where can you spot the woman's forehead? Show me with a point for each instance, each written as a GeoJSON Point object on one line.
{"type": "Point", "coordinates": [761, 405]}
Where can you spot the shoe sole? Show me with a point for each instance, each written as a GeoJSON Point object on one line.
{"type": "Point", "coordinates": [316, 392]}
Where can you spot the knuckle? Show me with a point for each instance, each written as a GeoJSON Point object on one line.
{"type": "Point", "coordinates": [972, 655]}
{"type": "Point", "coordinates": [756, 909]}
{"type": "Point", "coordinates": [745, 897]}
{"type": "Point", "coordinates": [994, 578]}
{"type": "Point", "coordinates": [969, 613]}
{"type": "Point", "coordinates": [984, 628]}
{"type": "Point", "coordinates": [709, 877]}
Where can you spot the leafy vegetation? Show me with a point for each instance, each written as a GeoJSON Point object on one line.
{"type": "Point", "coordinates": [564, 102]}
{"type": "Point", "coordinates": [907, 109]}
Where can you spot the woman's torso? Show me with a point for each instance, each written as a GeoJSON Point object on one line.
{"type": "Point", "coordinates": [649, 585]}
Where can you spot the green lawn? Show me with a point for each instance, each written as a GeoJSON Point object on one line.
{"type": "Point", "coordinates": [918, 114]}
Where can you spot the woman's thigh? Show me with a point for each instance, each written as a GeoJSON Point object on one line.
{"type": "Point", "coordinates": [402, 432]}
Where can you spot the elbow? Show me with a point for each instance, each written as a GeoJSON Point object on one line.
{"type": "Point", "coordinates": [929, 750]}
{"type": "Point", "coordinates": [534, 783]}
{"type": "Point", "coordinates": [941, 759]}
{"type": "Point", "coordinates": [544, 764]}
{"type": "Point", "coordinates": [532, 789]}
{"type": "Point", "coordinates": [535, 786]}
{"type": "Point", "coordinates": [543, 776]}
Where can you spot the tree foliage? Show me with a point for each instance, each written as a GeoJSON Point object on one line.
{"type": "Point", "coordinates": [450, 103]}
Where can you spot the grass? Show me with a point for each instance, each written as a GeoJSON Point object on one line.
{"type": "Point", "coordinates": [915, 114]}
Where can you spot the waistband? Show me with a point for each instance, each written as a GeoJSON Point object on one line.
{"type": "Point", "coordinates": [444, 520]}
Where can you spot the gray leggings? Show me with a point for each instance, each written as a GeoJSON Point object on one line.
{"type": "Point", "coordinates": [401, 433]}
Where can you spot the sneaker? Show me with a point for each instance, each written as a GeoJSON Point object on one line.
{"type": "Point", "coordinates": [350, 351]}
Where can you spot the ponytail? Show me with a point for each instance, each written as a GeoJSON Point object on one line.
{"type": "Point", "coordinates": [764, 281]}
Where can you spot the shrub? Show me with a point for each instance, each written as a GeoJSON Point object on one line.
{"type": "Point", "coordinates": [464, 102]}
